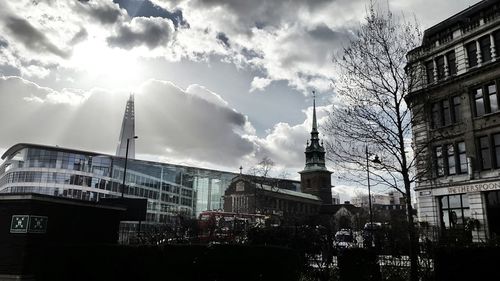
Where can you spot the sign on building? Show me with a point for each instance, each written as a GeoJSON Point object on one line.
{"type": "Point", "coordinates": [19, 224]}
{"type": "Point", "coordinates": [38, 224]}
{"type": "Point", "coordinates": [28, 224]}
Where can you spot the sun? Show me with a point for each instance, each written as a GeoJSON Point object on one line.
{"type": "Point", "coordinates": [106, 66]}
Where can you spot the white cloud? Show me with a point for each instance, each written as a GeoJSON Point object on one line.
{"type": "Point", "coordinates": [206, 94]}
{"type": "Point", "coordinates": [194, 126]}
{"type": "Point", "coordinates": [151, 32]}
{"type": "Point", "coordinates": [259, 83]}
{"type": "Point", "coordinates": [170, 121]}
{"type": "Point", "coordinates": [347, 192]}
{"type": "Point", "coordinates": [35, 71]}
{"type": "Point", "coordinates": [285, 143]}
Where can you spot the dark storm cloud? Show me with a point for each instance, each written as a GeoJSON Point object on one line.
{"type": "Point", "coordinates": [324, 33]}
{"type": "Point", "coordinates": [79, 36]}
{"type": "Point", "coordinates": [152, 32]}
{"type": "Point", "coordinates": [3, 43]}
{"type": "Point", "coordinates": [261, 13]}
{"type": "Point", "coordinates": [250, 54]}
{"type": "Point", "coordinates": [8, 70]}
{"type": "Point", "coordinates": [31, 37]}
{"type": "Point", "coordinates": [145, 8]}
{"type": "Point", "coordinates": [170, 121]}
{"type": "Point", "coordinates": [190, 125]}
{"type": "Point", "coordinates": [222, 38]}
{"type": "Point", "coordinates": [102, 11]}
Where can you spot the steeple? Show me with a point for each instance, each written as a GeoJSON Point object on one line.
{"type": "Point", "coordinates": [315, 153]}
{"type": "Point", "coordinates": [127, 131]}
{"type": "Point", "coordinates": [314, 125]}
{"type": "Point", "coordinates": [315, 179]}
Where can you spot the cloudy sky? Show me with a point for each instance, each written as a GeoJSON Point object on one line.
{"type": "Point", "coordinates": [217, 83]}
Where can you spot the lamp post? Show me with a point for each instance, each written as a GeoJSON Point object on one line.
{"type": "Point", "coordinates": [125, 166]}
{"type": "Point", "coordinates": [377, 161]}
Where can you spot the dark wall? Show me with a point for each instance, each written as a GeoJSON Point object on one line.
{"type": "Point", "coordinates": [172, 262]}
{"type": "Point", "coordinates": [461, 263]}
{"type": "Point", "coordinates": [68, 222]}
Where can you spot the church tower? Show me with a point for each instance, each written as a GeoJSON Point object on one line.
{"type": "Point", "coordinates": [315, 179]}
{"type": "Point", "coordinates": [127, 131]}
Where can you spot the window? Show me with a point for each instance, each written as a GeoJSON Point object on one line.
{"type": "Point", "coordinates": [457, 114]}
{"type": "Point", "coordinates": [439, 161]}
{"type": "Point", "coordinates": [450, 159]}
{"type": "Point", "coordinates": [484, 153]}
{"type": "Point", "coordinates": [429, 66]}
{"type": "Point", "coordinates": [496, 148]}
{"type": "Point", "coordinates": [440, 67]}
{"type": "Point", "coordinates": [485, 99]}
{"type": "Point", "coordinates": [436, 115]}
{"type": "Point", "coordinates": [485, 45]}
{"type": "Point", "coordinates": [452, 64]}
{"type": "Point", "coordinates": [492, 93]}
{"type": "Point", "coordinates": [454, 210]}
{"type": "Point", "coordinates": [479, 102]}
{"type": "Point", "coordinates": [446, 112]}
{"type": "Point", "coordinates": [496, 38]}
{"type": "Point", "coordinates": [471, 49]}
{"type": "Point", "coordinates": [462, 158]}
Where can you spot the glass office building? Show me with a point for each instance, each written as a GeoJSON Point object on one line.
{"type": "Point", "coordinates": [170, 189]}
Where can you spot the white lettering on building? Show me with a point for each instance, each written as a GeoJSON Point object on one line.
{"type": "Point", "coordinates": [474, 187]}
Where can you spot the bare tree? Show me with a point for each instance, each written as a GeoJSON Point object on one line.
{"type": "Point", "coordinates": [263, 168]}
{"type": "Point", "coordinates": [262, 172]}
{"type": "Point", "coordinates": [371, 114]}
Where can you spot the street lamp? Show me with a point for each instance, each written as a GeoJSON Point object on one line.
{"type": "Point", "coordinates": [377, 161]}
{"type": "Point", "coordinates": [125, 168]}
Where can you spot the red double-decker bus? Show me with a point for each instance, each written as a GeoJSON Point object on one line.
{"type": "Point", "coordinates": [225, 227]}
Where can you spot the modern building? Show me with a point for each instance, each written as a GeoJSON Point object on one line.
{"type": "Point", "coordinates": [388, 201]}
{"type": "Point", "coordinates": [126, 142]}
{"type": "Point", "coordinates": [170, 189]}
{"type": "Point", "coordinates": [454, 100]}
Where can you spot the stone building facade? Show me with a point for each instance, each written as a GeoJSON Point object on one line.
{"type": "Point", "coordinates": [280, 205]}
{"type": "Point", "coordinates": [455, 75]}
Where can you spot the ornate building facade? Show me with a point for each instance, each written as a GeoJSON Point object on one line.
{"type": "Point", "coordinates": [455, 75]}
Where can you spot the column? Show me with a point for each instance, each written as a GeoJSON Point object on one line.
{"type": "Point", "coordinates": [434, 70]}
{"type": "Point", "coordinates": [493, 48]}
{"type": "Point", "coordinates": [446, 69]}
{"type": "Point", "coordinates": [466, 57]}
{"type": "Point", "coordinates": [478, 52]}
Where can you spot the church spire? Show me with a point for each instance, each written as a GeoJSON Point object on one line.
{"type": "Point", "coordinates": [127, 131]}
{"type": "Point", "coordinates": [315, 179]}
{"type": "Point", "coordinates": [314, 131]}
{"type": "Point", "coordinates": [315, 153]}
{"type": "Point", "coordinates": [315, 125]}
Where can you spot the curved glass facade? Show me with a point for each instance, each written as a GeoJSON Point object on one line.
{"type": "Point", "coordinates": [170, 189]}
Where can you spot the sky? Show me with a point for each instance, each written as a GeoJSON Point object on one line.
{"type": "Point", "coordinates": [218, 84]}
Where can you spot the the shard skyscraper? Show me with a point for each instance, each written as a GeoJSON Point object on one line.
{"type": "Point", "coordinates": [127, 131]}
